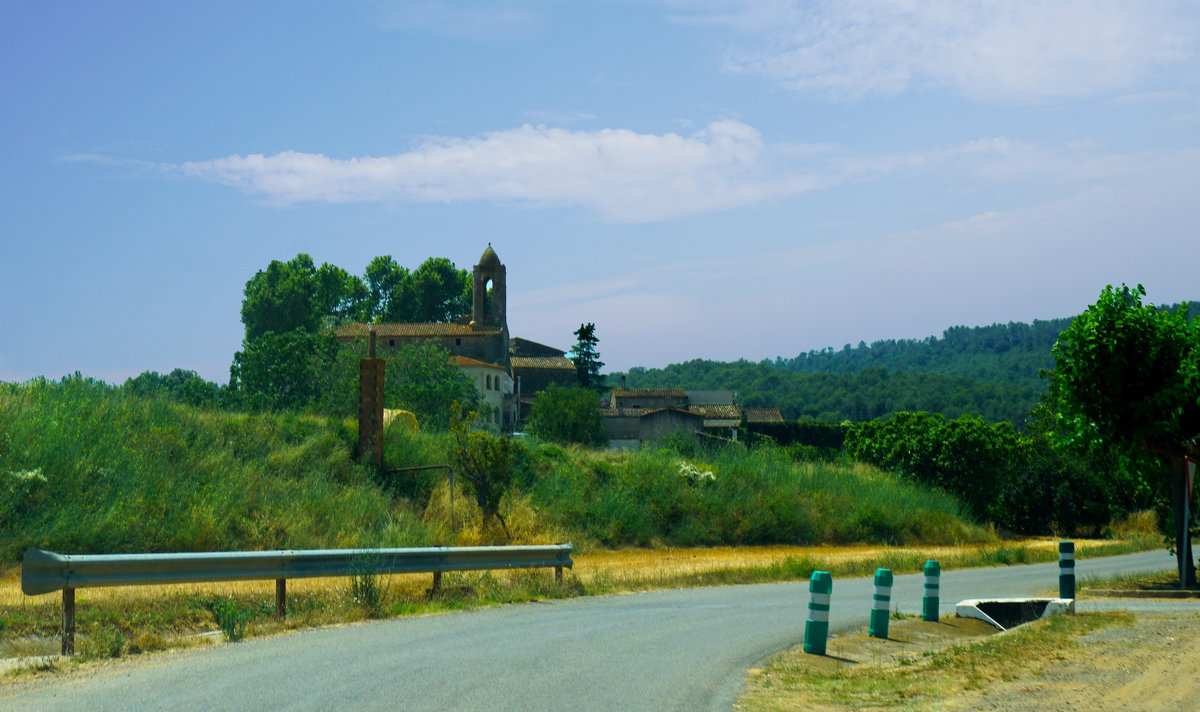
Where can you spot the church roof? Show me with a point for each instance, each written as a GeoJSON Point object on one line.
{"type": "Point", "coordinates": [463, 362]}
{"type": "Point", "coordinates": [386, 330]}
{"type": "Point", "coordinates": [548, 362]}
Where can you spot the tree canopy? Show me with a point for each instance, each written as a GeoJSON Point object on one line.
{"type": "Point", "coordinates": [1127, 377]}
{"type": "Point", "coordinates": [585, 357]}
{"type": "Point", "coordinates": [568, 415]}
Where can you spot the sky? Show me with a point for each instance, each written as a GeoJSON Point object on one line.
{"type": "Point", "coordinates": [710, 179]}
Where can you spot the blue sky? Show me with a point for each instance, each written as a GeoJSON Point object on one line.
{"type": "Point", "coordinates": [699, 179]}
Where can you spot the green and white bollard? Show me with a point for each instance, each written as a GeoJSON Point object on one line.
{"type": "Point", "coordinates": [816, 628]}
{"type": "Point", "coordinates": [883, 603]}
{"type": "Point", "coordinates": [933, 584]}
{"type": "Point", "coordinates": [1066, 569]}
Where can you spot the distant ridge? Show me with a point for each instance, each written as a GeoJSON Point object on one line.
{"type": "Point", "coordinates": [989, 371]}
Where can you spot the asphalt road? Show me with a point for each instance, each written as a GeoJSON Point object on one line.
{"type": "Point", "coordinates": [684, 649]}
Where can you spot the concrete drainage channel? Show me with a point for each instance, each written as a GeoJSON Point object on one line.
{"type": "Point", "coordinates": [1007, 613]}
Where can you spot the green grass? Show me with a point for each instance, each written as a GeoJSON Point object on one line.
{"type": "Point", "coordinates": [797, 681]}
{"type": "Point", "coordinates": [85, 469]}
{"type": "Point", "coordinates": [761, 496]}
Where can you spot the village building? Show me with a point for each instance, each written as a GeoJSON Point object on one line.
{"type": "Point", "coordinates": [507, 372]}
{"type": "Point", "coordinates": [637, 416]}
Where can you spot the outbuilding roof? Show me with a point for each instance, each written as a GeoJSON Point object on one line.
{"type": "Point", "coordinates": [346, 331]}
{"type": "Point", "coordinates": [557, 363]}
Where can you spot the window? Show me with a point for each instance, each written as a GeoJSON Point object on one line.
{"type": "Point", "coordinates": [489, 382]}
{"type": "Point", "coordinates": [391, 342]}
{"type": "Point", "coordinates": [458, 342]}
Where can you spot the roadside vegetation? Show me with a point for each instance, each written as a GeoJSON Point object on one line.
{"type": "Point", "coordinates": [889, 675]}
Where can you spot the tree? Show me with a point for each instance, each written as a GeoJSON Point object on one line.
{"type": "Point", "coordinates": [298, 295]}
{"type": "Point", "coordinates": [484, 460]}
{"type": "Point", "coordinates": [436, 291]}
{"type": "Point", "coordinates": [1127, 377]}
{"type": "Point", "coordinates": [587, 361]}
{"type": "Point", "coordinates": [281, 371]}
{"type": "Point", "coordinates": [419, 378]}
{"type": "Point", "coordinates": [568, 415]}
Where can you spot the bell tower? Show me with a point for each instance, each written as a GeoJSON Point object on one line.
{"type": "Point", "coordinates": [488, 291]}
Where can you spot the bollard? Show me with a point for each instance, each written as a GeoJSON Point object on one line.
{"type": "Point", "coordinates": [933, 579]}
{"type": "Point", "coordinates": [1066, 569]}
{"type": "Point", "coordinates": [816, 628]}
{"type": "Point", "coordinates": [883, 601]}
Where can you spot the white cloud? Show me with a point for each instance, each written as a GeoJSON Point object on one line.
{"type": "Point", "coordinates": [1018, 51]}
{"type": "Point", "coordinates": [617, 173]}
{"type": "Point", "coordinates": [625, 176]}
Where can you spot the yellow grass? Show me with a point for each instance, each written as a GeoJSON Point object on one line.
{"type": "Point", "coordinates": [634, 567]}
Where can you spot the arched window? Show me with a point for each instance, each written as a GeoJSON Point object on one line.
{"type": "Point", "coordinates": [489, 381]}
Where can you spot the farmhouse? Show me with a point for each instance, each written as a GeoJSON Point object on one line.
{"type": "Point", "coordinates": [641, 415]}
{"type": "Point", "coordinates": [507, 372]}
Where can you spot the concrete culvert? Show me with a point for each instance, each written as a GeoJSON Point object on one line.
{"type": "Point", "coordinates": [1006, 613]}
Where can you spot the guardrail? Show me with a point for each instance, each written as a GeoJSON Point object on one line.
{"type": "Point", "coordinates": [45, 572]}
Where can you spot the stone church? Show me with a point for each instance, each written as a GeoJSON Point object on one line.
{"type": "Point", "coordinates": [508, 372]}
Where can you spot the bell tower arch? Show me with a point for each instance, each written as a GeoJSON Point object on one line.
{"type": "Point", "coordinates": [488, 290]}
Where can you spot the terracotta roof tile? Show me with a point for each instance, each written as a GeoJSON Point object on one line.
{"type": "Point", "coordinates": [649, 393]}
{"type": "Point", "coordinates": [412, 330]}
{"type": "Point", "coordinates": [548, 362]}
{"type": "Point", "coordinates": [717, 412]}
{"type": "Point", "coordinates": [764, 415]}
{"type": "Point", "coordinates": [462, 361]}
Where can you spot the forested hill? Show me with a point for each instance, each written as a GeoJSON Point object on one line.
{"type": "Point", "coordinates": [990, 371]}
{"type": "Point", "coordinates": [1011, 353]}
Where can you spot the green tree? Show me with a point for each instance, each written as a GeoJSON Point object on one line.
{"type": "Point", "coordinates": [1127, 377]}
{"type": "Point", "coordinates": [281, 371]}
{"type": "Point", "coordinates": [383, 278]}
{"type": "Point", "coordinates": [297, 294]}
{"type": "Point", "coordinates": [587, 360]}
{"type": "Point", "coordinates": [435, 292]}
{"type": "Point", "coordinates": [178, 385]}
{"type": "Point", "coordinates": [568, 415]}
{"type": "Point", "coordinates": [485, 462]}
{"type": "Point", "coordinates": [419, 378]}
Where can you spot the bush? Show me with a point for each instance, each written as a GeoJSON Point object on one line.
{"type": "Point", "coordinates": [568, 415]}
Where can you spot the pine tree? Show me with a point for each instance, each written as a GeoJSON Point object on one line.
{"type": "Point", "coordinates": [587, 360]}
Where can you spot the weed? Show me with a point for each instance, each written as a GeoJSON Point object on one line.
{"type": "Point", "coordinates": [104, 643]}
{"type": "Point", "coordinates": [231, 617]}
{"type": "Point", "coordinates": [366, 590]}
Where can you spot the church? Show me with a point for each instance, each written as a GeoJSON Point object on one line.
{"type": "Point", "coordinates": [508, 372]}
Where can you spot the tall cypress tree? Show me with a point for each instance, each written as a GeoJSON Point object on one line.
{"type": "Point", "coordinates": [587, 360]}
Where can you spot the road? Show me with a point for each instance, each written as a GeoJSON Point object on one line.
{"type": "Point", "coordinates": [685, 649]}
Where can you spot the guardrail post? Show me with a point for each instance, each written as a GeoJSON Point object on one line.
{"type": "Point", "coordinates": [816, 628]}
{"type": "Point", "coordinates": [280, 598]}
{"type": "Point", "coordinates": [437, 582]}
{"type": "Point", "coordinates": [929, 602]}
{"type": "Point", "coordinates": [68, 622]}
{"type": "Point", "coordinates": [1066, 569]}
{"type": "Point", "coordinates": [881, 608]}
{"type": "Point", "coordinates": [558, 574]}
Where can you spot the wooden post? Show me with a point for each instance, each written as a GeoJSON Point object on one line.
{"type": "Point", "coordinates": [437, 582]}
{"type": "Point", "coordinates": [558, 574]}
{"type": "Point", "coordinates": [68, 622]}
{"type": "Point", "coordinates": [280, 598]}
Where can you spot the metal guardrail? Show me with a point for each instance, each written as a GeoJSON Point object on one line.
{"type": "Point", "coordinates": [45, 572]}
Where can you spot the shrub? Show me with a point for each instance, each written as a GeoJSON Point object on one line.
{"type": "Point", "coordinates": [568, 415]}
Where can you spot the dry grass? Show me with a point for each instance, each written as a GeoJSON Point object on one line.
{"type": "Point", "coordinates": [638, 568]}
